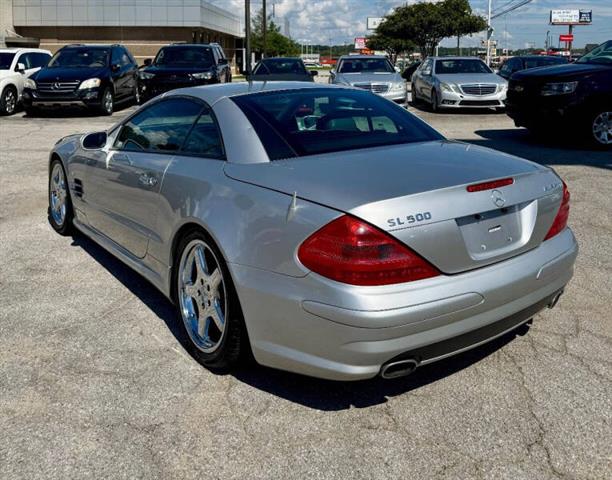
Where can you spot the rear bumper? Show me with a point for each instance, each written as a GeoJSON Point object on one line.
{"type": "Point", "coordinates": [317, 327]}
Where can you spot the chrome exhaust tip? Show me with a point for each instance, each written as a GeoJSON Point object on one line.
{"type": "Point", "coordinates": [400, 368]}
{"type": "Point", "coordinates": [555, 299]}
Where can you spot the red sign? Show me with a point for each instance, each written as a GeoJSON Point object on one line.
{"type": "Point", "coordinates": [360, 43]}
{"type": "Point", "coordinates": [566, 38]}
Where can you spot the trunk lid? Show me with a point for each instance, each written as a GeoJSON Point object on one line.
{"type": "Point", "coordinates": [417, 193]}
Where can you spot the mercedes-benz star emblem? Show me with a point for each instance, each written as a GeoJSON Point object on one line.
{"type": "Point", "coordinates": [498, 198]}
{"type": "Point", "coordinates": [56, 85]}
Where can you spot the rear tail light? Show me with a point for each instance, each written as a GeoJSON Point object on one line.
{"type": "Point", "coordinates": [560, 221]}
{"type": "Point", "coordinates": [351, 251]}
{"type": "Point", "coordinates": [479, 187]}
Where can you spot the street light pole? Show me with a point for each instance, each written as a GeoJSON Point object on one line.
{"type": "Point", "coordinates": [265, 23]}
{"type": "Point", "coordinates": [489, 34]}
{"type": "Point", "coordinates": [247, 35]}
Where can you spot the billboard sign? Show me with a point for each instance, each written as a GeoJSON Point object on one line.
{"type": "Point", "coordinates": [566, 38]}
{"type": "Point", "coordinates": [360, 43]}
{"type": "Point", "coordinates": [571, 17]}
{"type": "Point", "coordinates": [374, 22]}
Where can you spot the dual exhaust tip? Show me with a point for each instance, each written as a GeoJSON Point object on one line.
{"type": "Point", "coordinates": [399, 368]}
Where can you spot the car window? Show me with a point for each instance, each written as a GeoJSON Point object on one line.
{"type": "Point", "coordinates": [26, 59]}
{"type": "Point", "coordinates": [185, 56]}
{"type": "Point", "coordinates": [162, 126]}
{"type": "Point", "coordinates": [312, 121]}
{"type": "Point", "coordinates": [81, 57]}
{"type": "Point", "coordinates": [124, 59]}
{"type": "Point", "coordinates": [280, 66]}
{"type": "Point", "coordinates": [40, 59]}
{"type": "Point", "coordinates": [6, 59]}
{"type": "Point", "coordinates": [450, 66]}
{"type": "Point", "coordinates": [205, 139]}
{"type": "Point", "coordinates": [426, 67]}
{"type": "Point", "coordinates": [369, 65]}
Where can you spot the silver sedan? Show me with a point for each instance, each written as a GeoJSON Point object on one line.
{"type": "Point", "coordinates": [329, 231]}
{"type": "Point", "coordinates": [458, 82]}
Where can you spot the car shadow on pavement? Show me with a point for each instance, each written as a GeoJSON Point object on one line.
{"type": "Point", "coordinates": [74, 111]}
{"type": "Point", "coordinates": [546, 150]}
{"type": "Point", "coordinates": [310, 392]}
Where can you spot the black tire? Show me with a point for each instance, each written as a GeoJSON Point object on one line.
{"type": "Point", "coordinates": [413, 96]}
{"type": "Point", "coordinates": [107, 102]}
{"type": "Point", "coordinates": [233, 344]}
{"type": "Point", "coordinates": [598, 117]}
{"type": "Point", "coordinates": [434, 102]}
{"type": "Point", "coordinates": [8, 100]}
{"type": "Point", "coordinates": [64, 228]}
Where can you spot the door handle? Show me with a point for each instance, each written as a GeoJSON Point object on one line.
{"type": "Point", "coordinates": [148, 180]}
{"type": "Point", "coordinates": [121, 158]}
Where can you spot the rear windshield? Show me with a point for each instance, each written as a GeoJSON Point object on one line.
{"type": "Point", "coordinates": [370, 65]}
{"type": "Point", "coordinates": [444, 67]}
{"type": "Point", "coordinates": [5, 60]}
{"type": "Point", "coordinates": [275, 67]}
{"type": "Point", "coordinates": [542, 62]}
{"type": "Point", "coordinates": [185, 57]}
{"type": "Point", "coordinates": [81, 57]}
{"type": "Point", "coordinates": [296, 123]}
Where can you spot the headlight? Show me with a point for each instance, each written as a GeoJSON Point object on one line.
{"type": "Point", "coordinates": [502, 87]}
{"type": "Point", "coordinates": [29, 83]}
{"type": "Point", "coordinates": [558, 88]}
{"type": "Point", "coordinates": [202, 75]}
{"type": "Point", "coordinates": [146, 75]}
{"type": "Point", "coordinates": [90, 83]}
{"type": "Point", "coordinates": [448, 87]}
{"type": "Point", "coordinates": [398, 86]}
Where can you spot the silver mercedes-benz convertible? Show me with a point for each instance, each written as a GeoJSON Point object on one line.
{"type": "Point", "coordinates": [325, 228]}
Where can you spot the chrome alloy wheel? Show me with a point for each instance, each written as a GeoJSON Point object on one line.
{"type": "Point", "coordinates": [58, 193]}
{"type": "Point", "coordinates": [202, 296]}
{"type": "Point", "coordinates": [107, 101]}
{"type": "Point", "coordinates": [602, 128]}
{"type": "Point", "coordinates": [10, 101]}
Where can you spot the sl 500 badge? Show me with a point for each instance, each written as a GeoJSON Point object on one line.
{"type": "Point", "coordinates": [408, 219]}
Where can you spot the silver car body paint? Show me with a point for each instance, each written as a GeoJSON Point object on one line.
{"type": "Point", "coordinates": [389, 85]}
{"type": "Point", "coordinates": [469, 90]}
{"type": "Point", "coordinates": [298, 320]}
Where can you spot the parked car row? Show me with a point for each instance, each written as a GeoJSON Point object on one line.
{"type": "Point", "coordinates": [99, 76]}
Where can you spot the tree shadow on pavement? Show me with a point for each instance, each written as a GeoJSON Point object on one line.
{"type": "Point", "coordinates": [546, 150]}
{"type": "Point", "coordinates": [307, 391]}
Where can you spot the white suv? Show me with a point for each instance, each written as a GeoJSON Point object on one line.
{"type": "Point", "coordinates": [17, 64]}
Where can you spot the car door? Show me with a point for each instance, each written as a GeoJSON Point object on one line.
{"type": "Point", "coordinates": [121, 73]}
{"type": "Point", "coordinates": [420, 78]}
{"type": "Point", "coordinates": [123, 185]}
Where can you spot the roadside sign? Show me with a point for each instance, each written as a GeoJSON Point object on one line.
{"type": "Point", "coordinates": [360, 43]}
{"type": "Point", "coordinates": [571, 17]}
{"type": "Point", "coordinates": [566, 38]}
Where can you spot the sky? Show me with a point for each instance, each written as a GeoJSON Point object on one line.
{"type": "Point", "coordinates": [340, 21]}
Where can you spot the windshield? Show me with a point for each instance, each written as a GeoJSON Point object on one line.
{"type": "Point", "coordinates": [303, 122]}
{"type": "Point", "coordinates": [81, 57]}
{"type": "Point", "coordinates": [185, 57]}
{"type": "Point", "coordinates": [5, 60]}
{"type": "Point", "coordinates": [369, 65]}
{"type": "Point", "coordinates": [285, 66]}
{"type": "Point", "coordinates": [444, 67]}
{"type": "Point", "coordinates": [601, 54]}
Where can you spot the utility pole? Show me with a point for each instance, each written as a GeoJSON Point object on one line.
{"type": "Point", "coordinates": [489, 32]}
{"type": "Point", "coordinates": [247, 35]}
{"type": "Point", "coordinates": [265, 23]}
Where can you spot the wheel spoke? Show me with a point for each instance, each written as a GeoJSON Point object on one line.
{"type": "Point", "coordinates": [214, 280]}
{"type": "Point", "coordinates": [217, 316]}
{"type": "Point", "coordinates": [200, 261]}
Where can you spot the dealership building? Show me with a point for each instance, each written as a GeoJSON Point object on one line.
{"type": "Point", "coordinates": [142, 25]}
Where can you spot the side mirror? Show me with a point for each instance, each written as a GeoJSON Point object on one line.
{"type": "Point", "coordinates": [94, 141]}
{"type": "Point", "coordinates": [115, 67]}
{"type": "Point", "coordinates": [223, 61]}
{"type": "Point", "coordinates": [148, 62]}
{"type": "Point", "coordinates": [20, 68]}
{"type": "Point", "coordinates": [332, 71]}
{"type": "Point", "coordinates": [314, 73]}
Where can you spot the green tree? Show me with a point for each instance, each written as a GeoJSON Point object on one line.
{"type": "Point", "coordinates": [392, 46]}
{"type": "Point", "coordinates": [277, 44]}
{"type": "Point", "coordinates": [427, 24]}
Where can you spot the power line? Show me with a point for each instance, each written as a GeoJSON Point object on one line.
{"type": "Point", "coordinates": [511, 8]}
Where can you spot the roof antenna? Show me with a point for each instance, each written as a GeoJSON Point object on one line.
{"type": "Point", "coordinates": [292, 207]}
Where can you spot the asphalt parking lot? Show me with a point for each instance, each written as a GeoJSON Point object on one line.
{"type": "Point", "coordinates": [94, 381]}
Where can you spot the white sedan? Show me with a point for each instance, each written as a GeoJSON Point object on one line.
{"type": "Point", "coordinates": [17, 64]}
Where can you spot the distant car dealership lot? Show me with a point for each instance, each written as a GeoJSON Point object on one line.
{"type": "Point", "coordinates": [96, 384]}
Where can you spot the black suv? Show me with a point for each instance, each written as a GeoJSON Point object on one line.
{"type": "Point", "coordinates": [575, 97]}
{"type": "Point", "coordinates": [94, 76]}
{"type": "Point", "coordinates": [184, 65]}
